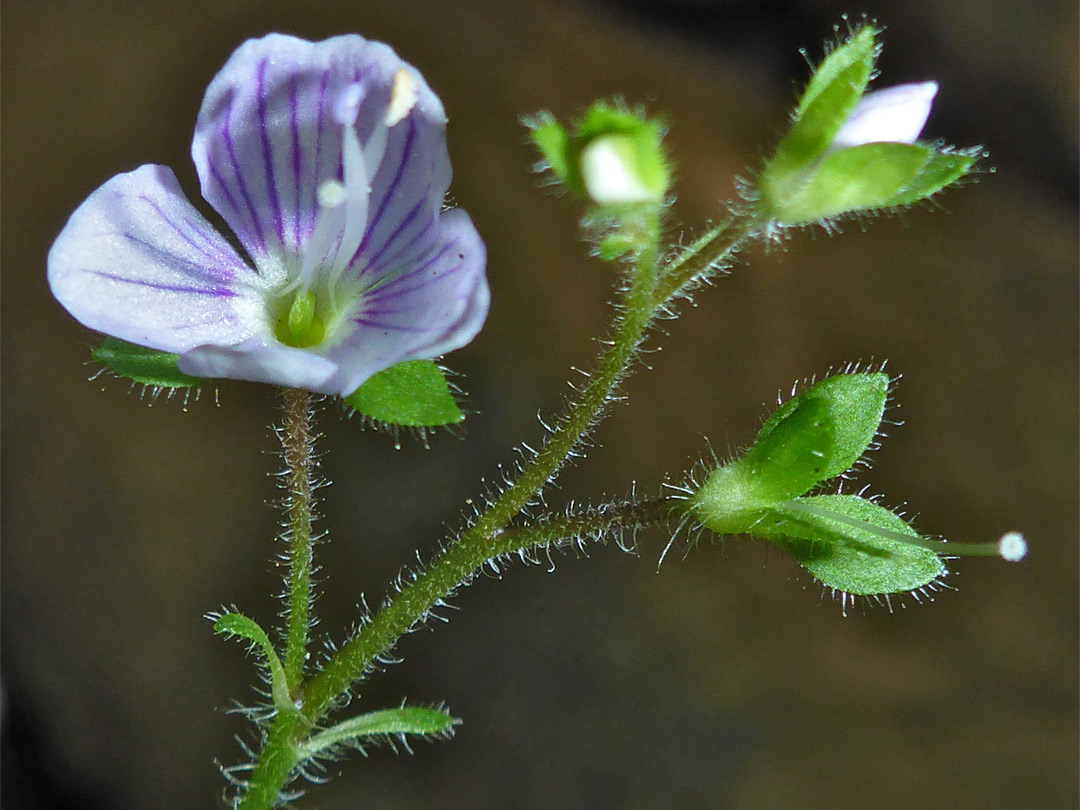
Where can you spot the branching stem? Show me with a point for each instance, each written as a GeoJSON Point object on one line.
{"type": "Point", "coordinates": [651, 287]}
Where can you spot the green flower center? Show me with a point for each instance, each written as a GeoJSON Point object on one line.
{"type": "Point", "coordinates": [301, 325]}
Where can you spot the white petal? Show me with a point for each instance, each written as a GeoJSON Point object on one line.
{"type": "Point", "coordinates": [259, 362]}
{"type": "Point", "coordinates": [895, 114]}
{"type": "Point", "coordinates": [138, 262]}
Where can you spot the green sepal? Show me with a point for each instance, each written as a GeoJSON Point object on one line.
{"type": "Point", "coordinates": [142, 365]}
{"type": "Point", "coordinates": [237, 625]}
{"type": "Point", "coordinates": [941, 169]}
{"type": "Point", "coordinates": [829, 99]}
{"type": "Point", "coordinates": [852, 545]}
{"type": "Point", "coordinates": [815, 436]}
{"type": "Point", "coordinates": [414, 393]}
{"type": "Point", "coordinates": [553, 142]}
{"type": "Point", "coordinates": [856, 405]}
{"type": "Point", "coordinates": [616, 245]}
{"type": "Point", "coordinates": [385, 722]}
{"type": "Point", "coordinates": [849, 61]}
{"type": "Point", "coordinates": [869, 177]}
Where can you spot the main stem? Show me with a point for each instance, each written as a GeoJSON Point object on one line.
{"type": "Point", "coordinates": [298, 444]}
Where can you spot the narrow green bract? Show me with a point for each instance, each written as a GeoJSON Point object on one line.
{"type": "Point", "coordinates": [239, 625]}
{"type": "Point", "coordinates": [385, 722]}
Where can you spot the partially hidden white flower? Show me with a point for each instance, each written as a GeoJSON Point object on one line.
{"type": "Point", "coordinates": [893, 114]}
{"type": "Point", "coordinates": [328, 162]}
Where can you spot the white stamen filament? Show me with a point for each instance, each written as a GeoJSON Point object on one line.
{"type": "Point", "coordinates": [344, 206]}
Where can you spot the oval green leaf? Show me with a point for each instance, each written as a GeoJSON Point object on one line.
{"type": "Point", "coordinates": [414, 393]}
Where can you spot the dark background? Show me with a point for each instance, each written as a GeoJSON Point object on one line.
{"type": "Point", "coordinates": [726, 680]}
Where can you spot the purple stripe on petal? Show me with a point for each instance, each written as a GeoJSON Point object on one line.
{"type": "Point", "coordinates": [167, 258]}
{"type": "Point", "coordinates": [230, 150]}
{"type": "Point", "coordinates": [212, 250]}
{"type": "Point", "coordinates": [418, 330]}
{"type": "Point", "coordinates": [391, 190]}
{"type": "Point", "coordinates": [268, 157]}
{"type": "Point", "coordinates": [216, 175]}
{"type": "Point", "coordinates": [405, 252]}
{"type": "Point", "coordinates": [218, 264]}
{"type": "Point", "coordinates": [321, 106]}
{"type": "Point", "coordinates": [217, 292]}
{"type": "Point", "coordinates": [420, 268]}
{"type": "Point", "coordinates": [374, 257]}
{"type": "Point", "coordinates": [297, 158]}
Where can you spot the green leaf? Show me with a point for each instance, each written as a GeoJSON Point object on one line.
{"type": "Point", "coordinates": [414, 393]}
{"type": "Point", "coordinates": [235, 625]}
{"type": "Point", "coordinates": [853, 545]}
{"type": "Point", "coordinates": [404, 720]}
{"type": "Point", "coordinates": [143, 365]}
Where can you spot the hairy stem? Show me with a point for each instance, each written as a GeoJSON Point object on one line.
{"type": "Point", "coordinates": [298, 442]}
{"type": "Point", "coordinates": [650, 288]}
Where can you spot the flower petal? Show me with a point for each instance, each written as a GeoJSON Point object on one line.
{"type": "Point", "coordinates": [434, 306]}
{"type": "Point", "coordinates": [138, 262]}
{"type": "Point", "coordinates": [267, 139]}
{"type": "Point", "coordinates": [257, 361]}
{"type": "Point", "coordinates": [895, 114]}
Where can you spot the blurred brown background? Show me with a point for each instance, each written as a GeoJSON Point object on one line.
{"type": "Point", "coordinates": [726, 680]}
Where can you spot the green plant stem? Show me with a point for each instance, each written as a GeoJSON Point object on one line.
{"type": "Point", "coordinates": [650, 289]}
{"type": "Point", "coordinates": [298, 444]}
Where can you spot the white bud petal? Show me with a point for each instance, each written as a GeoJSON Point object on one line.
{"type": "Point", "coordinates": [609, 174]}
{"type": "Point", "coordinates": [893, 115]}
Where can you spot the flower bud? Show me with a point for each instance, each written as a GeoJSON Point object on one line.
{"type": "Point", "coordinates": [849, 150]}
{"type": "Point", "coordinates": [618, 169]}
{"type": "Point", "coordinates": [614, 155]}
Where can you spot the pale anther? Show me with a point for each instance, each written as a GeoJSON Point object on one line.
{"type": "Point", "coordinates": [402, 97]}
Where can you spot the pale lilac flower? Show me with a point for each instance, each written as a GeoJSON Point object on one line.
{"type": "Point", "coordinates": [328, 161]}
{"type": "Point", "coordinates": [894, 114]}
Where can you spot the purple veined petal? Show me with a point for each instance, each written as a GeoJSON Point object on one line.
{"type": "Point", "coordinates": [266, 137]}
{"type": "Point", "coordinates": [137, 261]}
{"type": "Point", "coordinates": [432, 307]}
{"type": "Point", "coordinates": [406, 198]}
{"type": "Point", "coordinates": [894, 114]}
{"type": "Point", "coordinates": [259, 361]}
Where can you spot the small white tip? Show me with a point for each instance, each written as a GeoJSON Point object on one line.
{"type": "Point", "coordinates": [1012, 547]}
{"type": "Point", "coordinates": [331, 194]}
{"type": "Point", "coordinates": [402, 97]}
